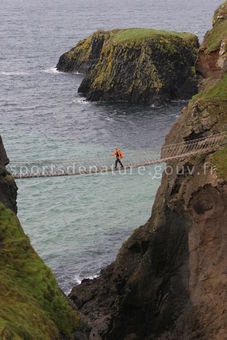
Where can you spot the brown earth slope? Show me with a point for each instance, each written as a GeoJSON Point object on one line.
{"type": "Point", "coordinates": [169, 280]}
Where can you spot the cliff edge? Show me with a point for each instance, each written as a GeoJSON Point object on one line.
{"type": "Point", "coordinates": [32, 305]}
{"type": "Point", "coordinates": [169, 280]}
{"type": "Point", "coordinates": [135, 65]}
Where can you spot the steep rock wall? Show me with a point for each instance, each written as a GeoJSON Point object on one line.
{"type": "Point", "coordinates": [169, 279]}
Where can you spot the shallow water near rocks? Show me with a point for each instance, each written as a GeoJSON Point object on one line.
{"type": "Point", "coordinates": [77, 224]}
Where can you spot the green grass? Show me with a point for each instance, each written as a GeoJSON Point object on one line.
{"type": "Point", "coordinates": [31, 303]}
{"type": "Point", "coordinates": [220, 12]}
{"type": "Point", "coordinates": [216, 35]}
{"type": "Point", "coordinates": [143, 33]}
{"type": "Point", "coordinates": [218, 91]}
{"type": "Point", "coordinates": [215, 90]}
{"type": "Point", "coordinates": [219, 160]}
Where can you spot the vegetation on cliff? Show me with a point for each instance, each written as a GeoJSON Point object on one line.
{"type": "Point", "coordinates": [219, 160]}
{"type": "Point", "coordinates": [32, 306]}
{"type": "Point", "coordinates": [217, 35]}
{"type": "Point", "coordinates": [213, 51]}
{"type": "Point", "coordinates": [147, 33]}
{"type": "Point", "coordinates": [135, 65]}
{"type": "Point", "coordinates": [31, 303]}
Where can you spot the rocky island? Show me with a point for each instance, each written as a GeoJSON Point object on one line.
{"type": "Point", "coordinates": [135, 65]}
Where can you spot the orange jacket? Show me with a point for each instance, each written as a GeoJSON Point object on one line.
{"type": "Point", "coordinates": [120, 154]}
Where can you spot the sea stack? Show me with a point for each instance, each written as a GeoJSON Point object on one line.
{"type": "Point", "coordinates": [135, 65]}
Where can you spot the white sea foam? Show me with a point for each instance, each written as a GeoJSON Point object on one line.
{"type": "Point", "coordinates": [52, 70]}
{"type": "Point", "coordinates": [10, 73]}
{"type": "Point", "coordinates": [178, 101]}
{"type": "Point", "coordinates": [76, 72]}
{"type": "Point", "coordinates": [78, 279]}
{"type": "Point", "coordinates": [80, 101]}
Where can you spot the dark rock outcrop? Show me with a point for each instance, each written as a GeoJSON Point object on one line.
{"type": "Point", "coordinates": [8, 188]}
{"type": "Point", "coordinates": [135, 65]}
{"type": "Point", "coordinates": [169, 280]}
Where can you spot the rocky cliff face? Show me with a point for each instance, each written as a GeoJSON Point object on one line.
{"type": "Point", "coordinates": [135, 65]}
{"type": "Point", "coordinates": [212, 53]}
{"type": "Point", "coordinates": [169, 280]}
{"type": "Point", "coordinates": [31, 304]}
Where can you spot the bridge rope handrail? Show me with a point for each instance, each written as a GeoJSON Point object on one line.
{"type": "Point", "coordinates": [196, 140]}
{"type": "Point", "coordinates": [168, 152]}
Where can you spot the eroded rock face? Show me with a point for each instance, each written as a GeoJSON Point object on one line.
{"type": "Point", "coordinates": [84, 55]}
{"type": "Point", "coordinates": [169, 280]}
{"type": "Point", "coordinates": [135, 65]}
{"type": "Point", "coordinates": [8, 188]}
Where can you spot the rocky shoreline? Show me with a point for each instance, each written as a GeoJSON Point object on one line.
{"type": "Point", "coordinates": [135, 65]}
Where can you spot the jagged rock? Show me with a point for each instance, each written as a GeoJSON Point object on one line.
{"type": "Point", "coordinates": [135, 65]}
{"type": "Point", "coordinates": [169, 280]}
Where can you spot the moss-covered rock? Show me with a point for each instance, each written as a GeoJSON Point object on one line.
{"type": "Point", "coordinates": [31, 303]}
{"type": "Point", "coordinates": [135, 65]}
{"type": "Point", "coordinates": [32, 306]}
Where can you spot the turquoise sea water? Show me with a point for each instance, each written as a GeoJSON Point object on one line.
{"type": "Point", "coordinates": [77, 224]}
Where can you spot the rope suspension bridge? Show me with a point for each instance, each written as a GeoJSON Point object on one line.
{"type": "Point", "coordinates": [57, 168]}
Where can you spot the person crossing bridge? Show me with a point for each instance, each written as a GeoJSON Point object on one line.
{"type": "Point", "coordinates": [119, 155]}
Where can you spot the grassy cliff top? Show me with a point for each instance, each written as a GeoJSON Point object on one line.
{"type": "Point", "coordinates": [214, 37]}
{"type": "Point", "coordinates": [220, 13]}
{"type": "Point", "coordinates": [146, 33]}
{"type": "Point", "coordinates": [31, 304]}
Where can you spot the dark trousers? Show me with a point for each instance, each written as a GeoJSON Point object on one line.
{"type": "Point", "coordinates": [118, 161]}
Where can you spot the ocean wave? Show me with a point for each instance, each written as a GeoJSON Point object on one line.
{"type": "Point", "coordinates": [80, 101]}
{"type": "Point", "coordinates": [52, 70]}
{"type": "Point", "coordinates": [16, 73]}
{"type": "Point", "coordinates": [76, 72]}
{"type": "Point", "coordinates": [179, 101]}
{"type": "Point", "coordinates": [78, 280]}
